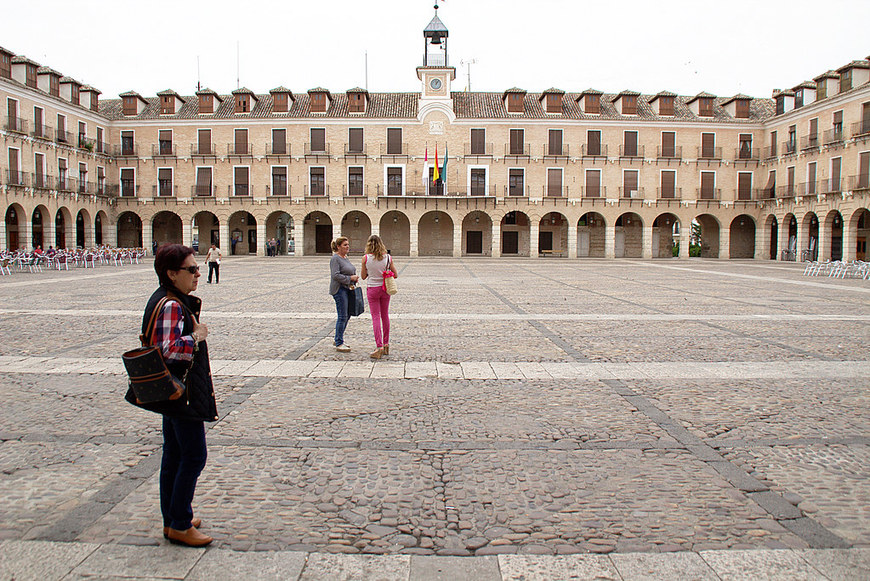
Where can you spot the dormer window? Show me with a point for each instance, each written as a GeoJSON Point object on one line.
{"type": "Point", "coordinates": [30, 79]}
{"type": "Point", "coordinates": [593, 104]}
{"type": "Point", "coordinates": [95, 101]}
{"type": "Point", "coordinates": [318, 102]}
{"type": "Point", "coordinates": [742, 108]}
{"type": "Point", "coordinates": [129, 105]}
{"type": "Point", "coordinates": [279, 103]}
{"type": "Point", "coordinates": [515, 103]}
{"type": "Point", "coordinates": [554, 103]}
{"type": "Point", "coordinates": [666, 105]}
{"type": "Point", "coordinates": [74, 95]}
{"type": "Point", "coordinates": [167, 105]}
{"type": "Point", "coordinates": [356, 103]}
{"type": "Point", "coordinates": [629, 104]}
{"type": "Point", "coordinates": [54, 86]}
{"type": "Point", "coordinates": [846, 80]}
{"type": "Point", "coordinates": [5, 65]}
{"type": "Point", "coordinates": [705, 107]}
{"type": "Point", "coordinates": [206, 104]}
{"type": "Point", "coordinates": [243, 104]}
{"type": "Point", "coordinates": [821, 89]}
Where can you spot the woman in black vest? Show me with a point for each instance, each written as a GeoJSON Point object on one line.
{"type": "Point", "coordinates": [181, 338]}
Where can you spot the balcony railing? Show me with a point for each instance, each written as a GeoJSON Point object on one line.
{"type": "Point", "coordinates": [808, 188]}
{"type": "Point", "coordinates": [86, 143]}
{"type": "Point", "coordinates": [278, 148]}
{"type": "Point", "coordinates": [631, 151]}
{"type": "Point", "coordinates": [470, 151]}
{"type": "Point", "coordinates": [770, 152]}
{"type": "Point", "coordinates": [786, 191]}
{"type": "Point", "coordinates": [789, 147]}
{"type": "Point", "coordinates": [861, 128]}
{"type": "Point", "coordinates": [16, 124]}
{"type": "Point", "coordinates": [394, 149]}
{"type": "Point", "coordinates": [809, 142]}
{"type": "Point", "coordinates": [108, 191]}
{"type": "Point", "coordinates": [831, 185]}
{"type": "Point", "coordinates": [126, 151]}
{"type": "Point", "coordinates": [201, 190]}
{"type": "Point", "coordinates": [129, 189]}
{"type": "Point", "coordinates": [239, 149]}
{"type": "Point", "coordinates": [594, 151]}
{"type": "Point", "coordinates": [859, 182]}
{"type": "Point", "coordinates": [518, 151]}
{"type": "Point", "coordinates": [630, 192]}
{"type": "Point", "coordinates": [16, 178]}
{"type": "Point", "coordinates": [709, 193]}
{"type": "Point", "coordinates": [317, 150]}
{"type": "Point", "coordinates": [238, 190]}
{"type": "Point", "coordinates": [593, 191]}
{"type": "Point", "coordinates": [278, 193]}
{"type": "Point", "coordinates": [202, 149]}
{"type": "Point", "coordinates": [62, 136]}
{"type": "Point", "coordinates": [164, 191]}
{"type": "Point", "coordinates": [669, 152]}
{"type": "Point", "coordinates": [351, 151]}
{"type": "Point", "coordinates": [669, 193]}
{"type": "Point", "coordinates": [316, 191]}
{"type": "Point", "coordinates": [768, 193]}
{"type": "Point", "coordinates": [42, 181]}
{"type": "Point", "coordinates": [554, 191]}
{"type": "Point", "coordinates": [355, 190]}
{"type": "Point", "coordinates": [102, 147]}
{"type": "Point", "coordinates": [709, 152]}
{"type": "Point", "coordinates": [164, 149]}
{"type": "Point", "coordinates": [42, 131]}
{"type": "Point", "coordinates": [66, 184]}
{"type": "Point", "coordinates": [561, 150]}
{"type": "Point", "coordinates": [746, 154]}
{"type": "Point", "coordinates": [516, 191]}
{"type": "Point", "coordinates": [833, 136]}
{"type": "Point", "coordinates": [86, 187]}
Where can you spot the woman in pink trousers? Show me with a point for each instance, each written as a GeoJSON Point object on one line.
{"type": "Point", "coordinates": [375, 262]}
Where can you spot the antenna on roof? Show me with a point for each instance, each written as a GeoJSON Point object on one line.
{"type": "Point", "coordinates": [468, 71]}
{"type": "Point", "coordinates": [198, 83]}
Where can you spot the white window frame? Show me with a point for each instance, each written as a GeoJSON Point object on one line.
{"type": "Point", "coordinates": [508, 193]}
{"type": "Point", "coordinates": [637, 191]}
{"type": "Point", "coordinates": [561, 170]}
{"type": "Point", "coordinates": [363, 168]}
{"type": "Point", "coordinates": [196, 169]}
{"type": "Point", "coordinates": [600, 180]}
{"type": "Point", "coordinates": [485, 168]}
{"type": "Point", "coordinates": [661, 181]}
{"type": "Point", "coordinates": [171, 181]}
{"type": "Point", "coordinates": [404, 180]}
{"type": "Point", "coordinates": [120, 185]}
{"type": "Point", "coordinates": [250, 179]}
{"type": "Point", "coordinates": [325, 187]}
{"type": "Point", "coordinates": [272, 179]}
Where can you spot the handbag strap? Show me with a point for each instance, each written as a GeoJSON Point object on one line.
{"type": "Point", "coordinates": [149, 329]}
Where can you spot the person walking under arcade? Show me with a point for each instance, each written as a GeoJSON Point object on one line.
{"type": "Point", "coordinates": [213, 259]}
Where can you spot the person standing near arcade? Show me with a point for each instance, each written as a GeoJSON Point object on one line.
{"type": "Point", "coordinates": [213, 259]}
{"type": "Point", "coordinates": [375, 262]}
{"type": "Point", "coordinates": [342, 275]}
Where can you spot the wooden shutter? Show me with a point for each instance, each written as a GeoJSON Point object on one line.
{"type": "Point", "coordinates": [554, 182]}
{"type": "Point", "coordinates": [279, 103]}
{"type": "Point", "coordinates": [669, 140]}
{"type": "Point", "coordinates": [593, 104]}
{"type": "Point", "coordinates": [478, 141]}
{"type": "Point", "coordinates": [12, 111]}
{"type": "Point", "coordinates": [318, 186]}
{"type": "Point", "coordinates": [515, 103]}
{"type": "Point", "coordinates": [773, 143]}
{"type": "Point", "coordinates": [836, 164]}
{"type": "Point", "coordinates": [629, 183]}
{"type": "Point", "coordinates": [38, 122]}
{"type": "Point", "coordinates": [593, 183]}
{"type": "Point", "coordinates": [164, 181]}
{"type": "Point", "coordinates": [355, 181]}
{"type": "Point", "coordinates": [355, 139]}
{"type": "Point", "coordinates": [742, 106]}
{"type": "Point", "coordinates": [241, 141]}
{"type": "Point", "coordinates": [394, 141]}
{"type": "Point", "coordinates": [318, 139]}
{"type": "Point", "coordinates": [240, 179]}
{"type": "Point", "coordinates": [790, 180]}
{"type": "Point", "coordinates": [744, 186]}
{"type": "Point", "coordinates": [517, 142]}
{"type": "Point", "coordinates": [708, 182]}
{"type": "Point", "coordinates": [630, 143]}
{"type": "Point", "coordinates": [811, 178]}
{"type": "Point", "coordinates": [279, 141]}
{"type": "Point", "coordinates": [204, 141]}
{"type": "Point", "coordinates": [666, 106]}
{"type": "Point", "coordinates": [708, 141]}
{"type": "Point", "coordinates": [669, 182]}
{"type": "Point", "coordinates": [838, 120]}
{"type": "Point", "coordinates": [516, 186]}
{"type": "Point", "coordinates": [203, 181]}
{"type": "Point", "coordinates": [39, 166]}
{"type": "Point", "coordinates": [555, 145]}
{"type": "Point", "coordinates": [279, 181]}
{"type": "Point", "coordinates": [864, 170]}
{"type": "Point", "coordinates": [13, 166]}
{"type": "Point", "coordinates": [593, 143]}
{"type": "Point", "coordinates": [205, 104]}
{"type": "Point", "coordinates": [164, 139]}
{"type": "Point", "coordinates": [128, 181]}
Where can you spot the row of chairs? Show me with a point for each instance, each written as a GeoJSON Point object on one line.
{"type": "Point", "coordinates": [838, 269]}
{"type": "Point", "coordinates": [63, 259]}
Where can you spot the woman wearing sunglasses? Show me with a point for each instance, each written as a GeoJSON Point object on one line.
{"type": "Point", "coordinates": [181, 338]}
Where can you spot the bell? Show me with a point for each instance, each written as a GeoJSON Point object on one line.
{"type": "Point", "coordinates": [436, 38]}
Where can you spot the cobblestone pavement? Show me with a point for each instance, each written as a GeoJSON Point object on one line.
{"type": "Point", "coordinates": [528, 407]}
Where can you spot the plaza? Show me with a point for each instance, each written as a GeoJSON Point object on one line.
{"type": "Point", "coordinates": [536, 418]}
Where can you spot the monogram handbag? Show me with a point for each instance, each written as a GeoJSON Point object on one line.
{"type": "Point", "coordinates": [390, 279]}
{"type": "Point", "coordinates": [150, 379]}
{"type": "Point", "coordinates": [357, 304]}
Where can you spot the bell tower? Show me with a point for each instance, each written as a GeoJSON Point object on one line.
{"type": "Point", "coordinates": [435, 72]}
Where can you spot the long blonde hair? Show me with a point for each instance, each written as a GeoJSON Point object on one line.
{"type": "Point", "coordinates": [375, 247]}
{"type": "Point", "coordinates": [338, 242]}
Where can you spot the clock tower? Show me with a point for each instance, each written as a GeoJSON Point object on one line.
{"type": "Point", "coordinates": [435, 73]}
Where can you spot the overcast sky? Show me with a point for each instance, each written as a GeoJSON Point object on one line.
{"type": "Point", "coordinates": [685, 46]}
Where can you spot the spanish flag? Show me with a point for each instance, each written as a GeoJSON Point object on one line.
{"type": "Point", "coordinates": [436, 174]}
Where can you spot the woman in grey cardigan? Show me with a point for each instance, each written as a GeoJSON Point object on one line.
{"type": "Point", "coordinates": [342, 275]}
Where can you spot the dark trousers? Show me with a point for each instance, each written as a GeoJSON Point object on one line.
{"type": "Point", "coordinates": [184, 456]}
{"type": "Point", "coordinates": [214, 267]}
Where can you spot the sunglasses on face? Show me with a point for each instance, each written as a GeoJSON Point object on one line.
{"type": "Point", "coordinates": [190, 269]}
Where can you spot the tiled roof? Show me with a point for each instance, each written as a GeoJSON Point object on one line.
{"type": "Point", "coordinates": [130, 94]}
{"type": "Point", "coordinates": [786, 93]}
{"type": "Point", "coordinates": [515, 90]}
{"type": "Point", "coordinates": [47, 71]}
{"type": "Point", "coordinates": [17, 60]}
{"type": "Point", "coordinates": [592, 92]}
{"type": "Point", "coordinates": [3, 50]}
{"type": "Point", "coordinates": [855, 65]}
{"type": "Point", "coordinates": [65, 80]}
{"type": "Point", "coordinates": [827, 75]}
{"type": "Point", "coordinates": [243, 91]}
{"type": "Point", "coordinates": [736, 97]}
{"type": "Point", "coordinates": [435, 25]}
{"type": "Point", "coordinates": [662, 94]}
{"type": "Point", "coordinates": [805, 85]}
{"type": "Point", "coordinates": [701, 95]}
{"type": "Point", "coordinates": [626, 92]}
{"type": "Point", "coordinates": [281, 89]}
{"type": "Point", "coordinates": [357, 90]}
{"type": "Point", "coordinates": [553, 90]}
{"type": "Point", "coordinates": [380, 106]}
{"type": "Point", "coordinates": [90, 89]}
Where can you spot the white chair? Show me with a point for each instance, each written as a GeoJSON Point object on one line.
{"type": "Point", "coordinates": [4, 266]}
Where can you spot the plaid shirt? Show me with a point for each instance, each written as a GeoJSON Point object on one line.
{"type": "Point", "coordinates": [167, 334]}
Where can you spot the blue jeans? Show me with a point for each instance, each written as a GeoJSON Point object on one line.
{"type": "Point", "coordinates": [184, 456]}
{"type": "Point", "coordinates": [342, 300]}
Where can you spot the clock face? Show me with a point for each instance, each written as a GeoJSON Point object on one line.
{"type": "Point", "coordinates": [435, 84]}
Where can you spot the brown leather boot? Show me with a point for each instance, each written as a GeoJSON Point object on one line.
{"type": "Point", "coordinates": [195, 523]}
{"type": "Point", "coordinates": [191, 537]}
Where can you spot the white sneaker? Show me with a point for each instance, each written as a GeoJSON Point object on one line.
{"type": "Point", "coordinates": [343, 348]}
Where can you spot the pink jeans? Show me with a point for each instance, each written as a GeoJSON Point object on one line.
{"type": "Point", "coordinates": [379, 306]}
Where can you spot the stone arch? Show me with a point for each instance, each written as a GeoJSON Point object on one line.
{"type": "Point", "coordinates": [790, 225]}
{"type": "Point", "coordinates": [129, 230]}
{"type": "Point", "coordinates": [395, 231]}
{"type": "Point", "coordinates": [435, 234]}
{"type": "Point", "coordinates": [15, 216]}
{"type": "Point", "coordinates": [205, 231]}
{"type": "Point", "coordinates": [101, 221]}
{"type": "Point", "coordinates": [591, 235]}
{"type": "Point", "coordinates": [63, 228]}
{"type": "Point", "coordinates": [705, 233]}
{"type": "Point", "coordinates": [279, 225]}
{"type": "Point", "coordinates": [165, 229]}
{"type": "Point", "coordinates": [553, 235]}
{"type": "Point", "coordinates": [833, 229]}
{"type": "Point", "coordinates": [629, 236]}
{"type": "Point", "coordinates": [857, 234]}
{"type": "Point", "coordinates": [808, 244]}
{"type": "Point", "coordinates": [771, 233]}
{"type": "Point", "coordinates": [84, 235]}
{"type": "Point", "coordinates": [39, 226]}
{"type": "Point", "coordinates": [243, 233]}
{"type": "Point", "coordinates": [665, 236]}
{"type": "Point", "coordinates": [317, 233]}
{"type": "Point", "coordinates": [357, 226]}
{"type": "Point", "coordinates": [477, 234]}
{"type": "Point", "coordinates": [741, 237]}
{"type": "Point", "coordinates": [515, 234]}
